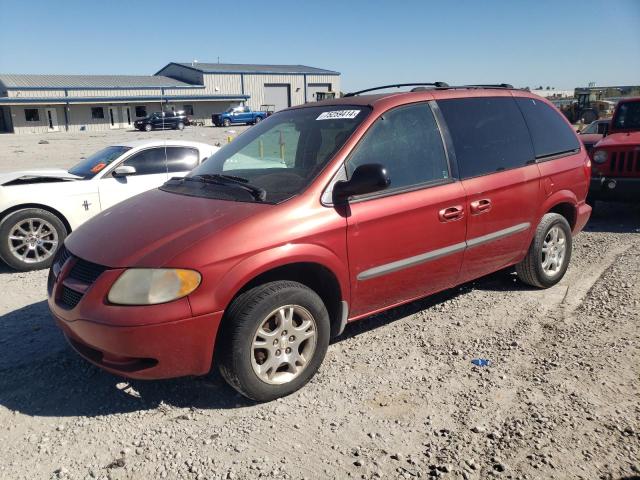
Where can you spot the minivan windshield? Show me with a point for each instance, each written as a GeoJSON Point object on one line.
{"type": "Point", "coordinates": [275, 159]}
{"type": "Point", "coordinates": [92, 165]}
{"type": "Point", "coordinates": [627, 116]}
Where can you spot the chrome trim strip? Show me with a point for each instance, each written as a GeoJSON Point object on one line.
{"type": "Point", "coordinates": [411, 261]}
{"type": "Point", "coordinates": [439, 253]}
{"type": "Point", "coordinates": [474, 242]}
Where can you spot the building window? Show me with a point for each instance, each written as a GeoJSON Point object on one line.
{"type": "Point", "coordinates": [32, 114]}
{"type": "Point", "coordinates": [97, 112]}
{"type": "Point", "coordinates": [141, 111]}
{"type": "Point", "coordinates": [188, 109]}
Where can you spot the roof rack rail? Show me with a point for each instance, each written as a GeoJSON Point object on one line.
{"type": "Point", "coordinates": [490, 85]}
{"type": "Point", "coordinates": [398, 85]}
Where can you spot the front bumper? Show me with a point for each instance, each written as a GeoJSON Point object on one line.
{"type": "Point", "coordinates": [625, 189]}
{"type": "Point", "coordinates": [167, 350]}
{"type": "Point", "coordinates": [146, 342]}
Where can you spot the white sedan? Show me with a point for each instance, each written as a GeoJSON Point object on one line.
{"type": "Point", "coordinates": [39, 208]}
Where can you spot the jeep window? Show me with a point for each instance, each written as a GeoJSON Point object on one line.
{"type": "Point", "coordinates": [489, 134]}
{"type": "Point", "coordinates": [281, 155]}
{"type": "Point", "coordinates": [407, 142]}
{"type": "Point", "coordinates": [627, 116]}
{"type": "Point", "coordinates": [90, 166]}
{"type": "Point", "coordinates": [550, 133]}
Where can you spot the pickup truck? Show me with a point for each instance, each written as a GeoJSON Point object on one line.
{"type": "Point", "coordinates": [237, 115]}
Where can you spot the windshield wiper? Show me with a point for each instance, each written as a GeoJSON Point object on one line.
{"type": "Point", "coordinates": [258, 193]}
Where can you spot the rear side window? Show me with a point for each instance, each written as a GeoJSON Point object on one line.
{"type": "Point", "coordinates": [549, 132]}
{"type": "Point", "coordinates": [181, 159]}
{"type": "Point", "coordinates": [489, 134]}
{"type": "Point", "coordinates": [407, 142]}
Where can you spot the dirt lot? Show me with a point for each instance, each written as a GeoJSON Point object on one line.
{"type": "Point", "coordinates": [397, 396]}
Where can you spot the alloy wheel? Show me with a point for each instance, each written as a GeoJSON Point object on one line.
{"type": "Point", "coordinates": [283, 344]}
{"type": "Point", "coordinates": [554, 249]}
{"type": "Point", "coordinates": [33, 240]}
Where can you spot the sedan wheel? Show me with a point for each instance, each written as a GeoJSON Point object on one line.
{"type": "Point", "coordinates": [30, 238]}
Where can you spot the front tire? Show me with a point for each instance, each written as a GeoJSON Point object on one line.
{"type": "Point", "coordinates": [274, 340]}
{"type": "Point", "coordinates": [30, 238]}
{"type": "Point", "coordinates": [549, 254]}
{"type": "Point", "coordinates": [226, 122]}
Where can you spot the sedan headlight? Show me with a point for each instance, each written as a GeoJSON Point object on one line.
{"type": "Point", "coordinates": [600, 156]}
{"type": "Point", "coordinates": [150, 286]}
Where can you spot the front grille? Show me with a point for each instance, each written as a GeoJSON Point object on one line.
{"type": "Point", "coordinates": [70, 298]}
{"type": "Point", "coordinates": [86, 272]}
{"type": "Point", "coordinates": [83, 272]}
{"type": "Point", "coordinates": [624, 162]}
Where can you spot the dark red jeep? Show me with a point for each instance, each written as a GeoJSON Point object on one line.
{"type": "Point", "coordinates": [616, 158]}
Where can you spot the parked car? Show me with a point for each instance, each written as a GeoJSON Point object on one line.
{"type": "Point", "coordinates": [39, 208]}
{"type": "Point", "coordinates": [616, 158]}
{"type": "Point", "coordinates": [163, 121]}
{"type": "Point", "coordinates": [363, 203]}
{"type": "Point", "coordinates": [238, 115]}
{"type": "Point", "coordinates": [593, 133]}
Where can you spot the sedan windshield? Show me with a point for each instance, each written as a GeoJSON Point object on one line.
{"type": "Point", "coordinates": [277, 158]}
{"type": "Point", "coordinates": [89, 167]}
{"type": "Point", "coordinates": [627, 116]}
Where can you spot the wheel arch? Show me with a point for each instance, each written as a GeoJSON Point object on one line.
{"type": "Point", "coordinates": [24, 206]}
{"type": "Point", "coordinates": [563, 202]}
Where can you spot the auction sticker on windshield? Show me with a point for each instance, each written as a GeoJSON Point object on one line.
{"type": "Point", "coordinates": [336, 114]}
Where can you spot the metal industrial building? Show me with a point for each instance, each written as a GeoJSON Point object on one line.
{"type": "Point", "coordinates": [51, 103]}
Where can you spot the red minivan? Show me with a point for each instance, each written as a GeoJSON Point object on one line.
{"type": "Point", "coordinates": [318, 216]}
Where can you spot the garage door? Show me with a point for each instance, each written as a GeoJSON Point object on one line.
{"type": "Point", "coordinates": [277, 94]}
{"type": "Point", "coordinates": [314, 88]}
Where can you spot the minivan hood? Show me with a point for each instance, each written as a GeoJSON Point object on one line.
{"type": "Point", "coordinates": [150, 229]}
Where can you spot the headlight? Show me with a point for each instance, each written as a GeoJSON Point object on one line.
{"type": "Point", "coordinates": [149, 286]}
{"type": "Point", "coordinates": [600, 156]}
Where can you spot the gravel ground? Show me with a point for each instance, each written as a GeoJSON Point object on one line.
{"type": "Point", "coordinates": [397, 396]}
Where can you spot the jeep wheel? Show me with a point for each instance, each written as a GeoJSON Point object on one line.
{"type": "Point", "coordinates": [226, 122]}
{"type": "Point", "coordinates": [549, 254]}
{"type": "Point", "coordinates": [274, 340]}
{"type": "Point", "coordinates": [148, 127]}
{"type": "Point", "coordinates": [29, 239]}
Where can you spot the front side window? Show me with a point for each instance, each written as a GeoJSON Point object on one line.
{"type": "Point", "coordinates": [550, 133]}
{"type": "Point", "coordinates": [141, 111]}
{"type": "Point", "coordinates": [489, 134]}
{"type": "Point", "coordinates": [97, 162]}
{"type": "Point", "coordinates": [31, 114]}
{"type": "Point", "coordinates": [148, 162]}
{"type": "Point", "coordinates": [97, 112]}
{"type": "Point", "coordinates": [627, 116]}
{"type": "Point", "coordinates": [407, 142]}
{"type": "Point", "coordinates": [280, 155]}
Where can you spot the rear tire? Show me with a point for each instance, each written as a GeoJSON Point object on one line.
{"type": "Point", "coordinates": [148, 127]}
{"type": "Point", "coordinates": [180, 126]}
{"type": "Point", "coordinates": [274, 339]}
{"type": "Point", "coordinates": [257, 120]}
{"type": "Point", "coordinates": [549, 254]}
{"type": "Point", "coordinates": [30, 238]}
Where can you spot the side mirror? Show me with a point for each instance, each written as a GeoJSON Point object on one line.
{"type": "Point", "coordinates": [124, 171]}
{"type": "Point", "coordinates": [368, 178]}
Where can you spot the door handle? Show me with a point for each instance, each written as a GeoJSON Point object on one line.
{"type": "Point", "coordinates": [451, 213]}
{"type": "Point", "coordinates": [480, 206]}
